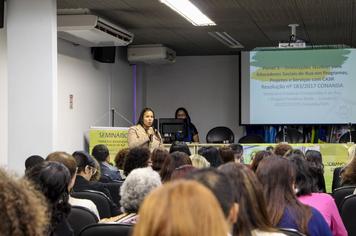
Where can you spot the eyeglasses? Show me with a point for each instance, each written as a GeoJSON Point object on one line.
{"type": "Point", "coordinates": [93, 170]}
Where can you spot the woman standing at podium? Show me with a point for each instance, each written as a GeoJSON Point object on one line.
{"type": "Point", "coordinates": [144, 134]}
{"type": "Point", "coordinates": [192, 136]}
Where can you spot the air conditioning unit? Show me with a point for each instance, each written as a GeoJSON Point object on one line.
{"type": "Point", "coordinates": [91, 31]}
{"type": "Point", "coordinates": [150, 54]}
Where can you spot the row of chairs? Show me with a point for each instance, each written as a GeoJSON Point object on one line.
{"type": "Point", "coordinates": [223, 134]}
{"type": "Point", "coordinates": [85, 223]}
{"type": "Point", "coordinates": [346, 203]}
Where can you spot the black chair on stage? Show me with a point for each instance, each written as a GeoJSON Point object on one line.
{"type": "Point", "coordinates": [107, 230]}
{"type": "Point", "coordinates": [251, 138]}
{"type": "Point", "coordinates": [100, 200]}
{"type": "Point", "coordinates": [348, 214]}
{"type": "Point", "coordinates": [290, 135]}
{"type": "Point", "coordinates": [80, 217]}
{"type": "Point", "coordinates": [220, 134]}
{"type": "Point", "coordinates": [345, 138]}
{"type": "Point", "coordinates": [291, 232]}
{"type": "Point", "coordinates": [339, 194]}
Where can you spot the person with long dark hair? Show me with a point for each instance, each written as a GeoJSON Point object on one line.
{"type": "Point", "coordinates": [144, 134]}
{"type": "Point", "coordinates": [52, 179]}
{"type": "Point", "coordinates": [192, 136]}
{"type": "Point", "coordinates": [309, 194]}
{"type": "Point", "coordinates": [253, 218]}
{"type": "Point", "coordinates": [278, 177]}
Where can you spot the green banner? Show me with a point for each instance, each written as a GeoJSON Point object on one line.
{"type": "Point", "coordinates": [115, 138]}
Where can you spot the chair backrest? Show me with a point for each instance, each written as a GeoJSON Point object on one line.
{"type": "Point", "coordinates": [345, 138]}
{"type": "Point", "coordinates": [251, 138]}
{"type": "Point", "coordinates": [114, 188]}
{"type": "Point", "coordinates": [292, 135]}
{"type": "Point", "coordinates": [339, 194]}
{"type": "Point", "coordinates": [348, 214]}
{"type": "Point", "coordinates": [220, 134]}
{"type": "Point", "coordinates": [100, 200]}
{"type": "Point", "coordinates": [79, 217]}
{"type": "Point", "coordinates": [107, 230]}
{"type": "Point", "coordinates": [291, 232]}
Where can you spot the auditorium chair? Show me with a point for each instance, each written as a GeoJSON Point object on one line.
{"type": "Point", "coordinates": [220, 134]}
{"type": "Point", "coordinates": [291, 232]}
{"type": "Point", "coordinates": [114, 188]}
{"type": "Point", "coordinates": [107, 230]}
{"type": "Point", "coordinates": [80, 217]}
{"type": "Point", "coordinates": [100, 200]}
{"type": "Point", "coordinates": [348, 214]}
{"type": "Point", "coordinates": [251, 138]}
{"type": "Point", "coordinates": [339, 194]}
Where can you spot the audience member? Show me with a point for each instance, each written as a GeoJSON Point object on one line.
{"type": "Point", "coordinates": [182, 171]}
{"type": "Point", "coordinates": [281, 149]}
{"type": "Point", "coordinates": [192, 132]}
{"type": "Point", "coordinates": [238, 152]}
{"type": "Point", "coordinates": [198, 161]}
{"type": "Point", "coordinates": [86, 169]}
{"type": "Point", "coordinates": [222, 188]}
{"type": "Point", "coordinates": [212, 155]}
{"type": "Point", "coordinates": [158, 156]}
{"type": "Point", "coordinates": [23, 208]}
{"type": "Point", "coordinates": [278, 177]}
{"type": "Point", "coordinates": [120, 160]}
{"type": "Point", "coordinates": [137, 157]}
{"type": "Point", "coordinates": [308, 193]}
{"type": "Point", "coordinates": [138, 184]}
{"type": "Point", "coordinates": [253, 218]}
{"type": "Point", "coordinates": [52, 179]}
{"type": "Point", "coordinates": [69, 162]}
{"type": "Point", "coordinates": [258, 158]}
{"type": "Point", "coordinates": [102, 155]}
{"type": "Point", "coordinates": [348, 173]}
{"type": "Point", "coordinates": [178, 146]}
{"type": "Point", "coordinates": [144, 134]}
{"type": "Point", "coordinates": [226, 154]}
{"type": "Point", "coordinates": [175, 160]}
{"type": "Point", "coordinates": [181, 208]}
{"type": "Point", "coordinates": [336, 183]}
{"type": "Point", "coordinates": [315, 160]}
{"type": "Point", "coordinates": [32, 160]}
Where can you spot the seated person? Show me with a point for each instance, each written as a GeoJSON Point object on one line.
{"type": "Point", "coordinates": [52, 179]}
{"type": "Point", "coordinates": [137, 157]}
{"type": "Point", "coordinates": [32, 160]}
{"type": "Point", "coordinates": [192, 136]}
{"type": "Point", "coordinates": [23, 209]}
{"type": "Point", "coordinates": [238, 152]}
{"type": "Point", "coordinates": [138, 184]}
{"type": "Point", "coordinates": [86, 169]}
{"type": "Point", "coordinates": [102, 155]}
{"type": "Point", "coordinates": [181, 208]}
{"type": "Point", "coordinates": [69, 161]}
{"type": "Point", "coordinates": [221, 186]}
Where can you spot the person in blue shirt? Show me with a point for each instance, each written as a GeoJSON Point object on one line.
{"type": "Point", "coordinates": [192, 132]}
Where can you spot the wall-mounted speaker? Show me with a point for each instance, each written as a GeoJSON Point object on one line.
{"type": "Point", "coordinates": [104, 54]}
{"type": "Point", "coordinates": [2, 13]}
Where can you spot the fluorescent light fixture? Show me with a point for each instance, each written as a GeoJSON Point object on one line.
{"type": "Point", "coordinates": [189, 11]}
{"type": "Point", "coordinates": [226, 39]}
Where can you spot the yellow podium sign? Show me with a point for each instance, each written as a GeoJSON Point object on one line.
{"type": "Point", "coordinates": [115, 138]}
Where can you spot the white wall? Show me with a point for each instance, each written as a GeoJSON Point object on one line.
{"type": "Point", "coordinates": [91, 83]}
{"type": "Point", "coordinates": [206, 85]}
{"type": "Point", "coordinates": [3, 98]}
{"type": "Point", "coordinates": [32, 79]}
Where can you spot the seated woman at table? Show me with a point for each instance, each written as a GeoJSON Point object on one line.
{"type": "Point", "coordinates": [144, 134]}
{"type": "Point", "coordinates": [192, 136]}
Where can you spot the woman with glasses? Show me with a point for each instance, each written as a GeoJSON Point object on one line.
{"type": "Point", "coordinates": [86, 169]}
